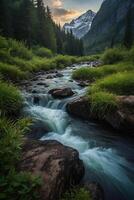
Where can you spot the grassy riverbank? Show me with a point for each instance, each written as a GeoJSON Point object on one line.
{"type": "Point", "coordinates": [114, 78]}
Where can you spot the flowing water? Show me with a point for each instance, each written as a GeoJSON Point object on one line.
{"type": "Point", "coordinates": [108, 157]}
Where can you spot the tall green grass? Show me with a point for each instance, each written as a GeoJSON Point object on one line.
{"type": "Point", "coordinates": [119, 84]}
{"type": "Point", "coordinates": [10, 100]}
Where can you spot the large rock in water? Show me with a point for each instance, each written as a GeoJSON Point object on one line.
{"type": "Point", "coordinates": [58, 165]}
{"type": "Point", "coordinates": [61, 92]}
{"type": "Point", "coordinates": [79, 107]}
{"type": "Point", "coordinates": [122, 119]}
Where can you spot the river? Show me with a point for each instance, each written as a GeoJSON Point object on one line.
{"type": "Point", "coordinates": [108, 156]}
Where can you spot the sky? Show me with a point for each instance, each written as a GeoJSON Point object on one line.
{"type": "Point", "coordinates": [65, 10]}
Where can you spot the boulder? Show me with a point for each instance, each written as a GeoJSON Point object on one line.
{"type": "Point", "coordinates": [37, 130]}
{"type": "Point", "coordinates": [61, 92]}
{"type": "Point", "coordinates": [123, 118]}
{"type": "Point", "coordinates": [59, 75]}
{"type": "Point", "coordinates": [58, 165]}
{"type": "Point", "coordinates": [79, 107]}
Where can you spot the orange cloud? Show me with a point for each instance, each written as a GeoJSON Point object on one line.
{"type": "Point", "coordinates": [62, 15]}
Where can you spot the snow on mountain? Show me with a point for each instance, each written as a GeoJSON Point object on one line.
{"type": "Point", "coordinates": [81, 25]}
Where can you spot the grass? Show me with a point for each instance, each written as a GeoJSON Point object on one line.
{"type": "Point", "coordinates": [10, 100]}
{"type": "Point", "coordinates": [103, 103]}
{"type": "Point", "coordinates": [42, 52]}
{"type": "Point", "coordinates": [113, 55]}
{"type": "Point", "coordinates": [92, 74]}
{"type": "Point", "coordinates": [78, 194]}
{"type": "Point", "coordinates": [11, 72]}
{"type": "Point", "coordinates": [119, 84]}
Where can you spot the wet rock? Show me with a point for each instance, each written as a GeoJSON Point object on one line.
{"type": "Point", "coordinates": [37, 130]}
{"type": "Point", "coordinates": [83, 83]}
{"type": "Point", "coordinates": [34, 91]}
{"type": "Point", "coordinates": [79, 107]}
{"type": "Point", "coordinates": [43, 84]}
{"type": "Point", "coordinates": [121, 119]}
{"type": "Point", "coordinates": [36, 100]}
{"type": "Point", "coordinates": [61, 92]}
{"type": "Point", "coordinates": [59, 75]}
{"type": "Point", "coordinates": [51, 76]}
{"type": "Point", "coordinates": [95, 190]}
{"type": "Point", "coordinates": [58, 165]}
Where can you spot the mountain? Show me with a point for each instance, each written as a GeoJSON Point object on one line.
{"type": "Point", "coordinates": [110, 24]}
{"type": "Point", "coordinates": [81, 25]}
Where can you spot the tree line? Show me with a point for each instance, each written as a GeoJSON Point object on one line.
{"type": "Point", "coordinates": [31, 21]}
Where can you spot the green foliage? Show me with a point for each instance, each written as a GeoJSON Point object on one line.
{"type": "Point", "coordinates": [11, 134]}
{"type": "Point", "coordinates": [18, 49]}
{"type": "Point", "coordinates": [120, 84]}
{"type": "Point", "coordinates": [103, 103]}
{"type": "Point", "coordinates": [92, 74]}
{"type": "Point", "coordinates": [112, 56]}
{"type": "Point", "coordinates": [43, 52]}
{"type": "Point", "coordinates": [77, 194]}
{"type": "Point", "coordinates": [64, 61]}
{"type": "Point", "coordinates": [19, 186]}
{"type": "Point", "coordinates": [10, 100]}
{"type": "Point", "coordinates": [10, 72]}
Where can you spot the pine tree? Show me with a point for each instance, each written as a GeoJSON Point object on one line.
{"type": "Point", "coordinates": [128, 37]}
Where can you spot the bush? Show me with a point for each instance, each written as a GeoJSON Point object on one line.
{"type": "Point", "coordinates": [92, 74]}
{"type": "Point", "coordinates": [19, 186]}
{"type": "Point", "coordinates": [10, 100]}
{"type": "Point", "coordinates": [18, 49]}
{"type": "Point", "coordinates": [10, 72]}
{"type": "Point", "coordinates": [112, 56]}
{"type": "Point", "coordinates": [77, 194]}
{"type": "Point", "coordinates": [43, 52]}
{"type": "Point", "coordinates": [63, 61]}
{"type": "Point", "coordinates": [11, 134]}
{"type": "Point", "coordinates": [120, 84]}
{"type": "Point", "coordinates": [103, 103]}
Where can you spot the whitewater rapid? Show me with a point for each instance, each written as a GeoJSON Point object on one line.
{"type": "Point", "coordinates": [108, 158]}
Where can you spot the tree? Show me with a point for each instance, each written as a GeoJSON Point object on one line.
{"type": "Point", "coordinates": [128, 36]}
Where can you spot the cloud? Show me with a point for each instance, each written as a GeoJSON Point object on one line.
{"type": "Point", "coordinates": [62, 15]}
{"type": "Point", "coordinates": [56, 3]}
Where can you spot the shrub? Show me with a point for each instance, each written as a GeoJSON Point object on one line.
{"type": "Point", "coordinates": [103, 103]}
{"type": "Point", "coordinates": [11, 134]}
{"type": "Point", "coordinates": [120, 84]}
{"type": "Point", "coordinates": [93, 74]}
{"type": "Point", "coordinates": [86, 73]}
{"type": "Point", "coordinates": [18, 49]}
{"type": "Point", "coordinates": [112, 56]}
{"type": "Point", "coordinates": [63, 61]}
{"type": "Point", "coordinates": [43, 52]}
{"type": "Point", "coordinates": [3, 43]}
{"type": "Point", "coordinates": [10, 72]}
{"type": "Point", "coordinates": [77, 194]}
{"type": "Point", "coordinates": [19, 186]}
{"type": "Point", "coordinates": [10, 100]}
